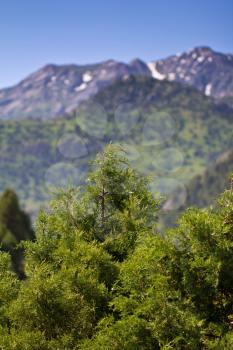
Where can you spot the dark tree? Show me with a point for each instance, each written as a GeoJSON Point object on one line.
{"type": "Point", "coordinates": [15, 227]}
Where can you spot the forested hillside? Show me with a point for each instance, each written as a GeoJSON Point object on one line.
{"type": "Point", "coordinates": [170, 131]}
{"type": "Point", "coordinates": [202, 191]}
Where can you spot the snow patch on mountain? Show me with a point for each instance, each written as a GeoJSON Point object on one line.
{"type": "Point", "coordinates": [208, 89]}
{"type": "Point", "coordinates": [171, 76]}
{"type": "Point", "coordinates": [154, 72]}
{"type": "Point", "coordinates": [200, 59]}
{"type": "Point", "coordinates": [81, 87]}
{"type": "Point", "coordinates": [87, 77]}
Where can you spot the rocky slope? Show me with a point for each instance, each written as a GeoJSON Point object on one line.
{"type": "Point", "coordinates": [209, 71]}
{"type": "Point", "coordinates": [54, 91]}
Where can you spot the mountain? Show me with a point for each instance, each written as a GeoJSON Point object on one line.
{"type": "Point", "coordinates": [170, 131]}
{"type": "Point", "coordinates": [209, 71]}
{"type": "Point", "coordinates": [170, 115]}
{"type": "Point", "coordinates": [54, 91]}
{"type": "Point", "coordinates": [203, 190]}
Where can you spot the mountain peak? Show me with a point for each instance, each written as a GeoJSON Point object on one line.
{"type": "Point", "coordinates": [209, 71]}
{"type": "Point", "coordinates": [57, 89]}
{"type": "Point", "coordinates": [202, 49]}
{"type": "Point", "coordinates": [139, 67]}
{"type": "Point", "coordinates": [136, 60]}
{"type": "Point", "coordinates": [49, 67]}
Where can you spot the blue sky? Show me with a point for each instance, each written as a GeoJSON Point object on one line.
{"type": "Point", "coordinates": [36, 32]}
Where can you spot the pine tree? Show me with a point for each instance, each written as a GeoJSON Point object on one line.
{"type": "Point", "coordinates": [99, 277]}
{"type": "Point", "coordinates": [15, 223]}
{"type": "Point", "coordinates": [14, 227]}
{"type": "Point", "coordinates": [117, 204]}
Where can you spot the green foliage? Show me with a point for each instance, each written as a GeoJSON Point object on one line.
{"type": "Point", "coordinates": [100, 277]}
{"type": "Point", "coordinates": [15, 223]}
{"type": "Point", "coordinates": [120, 202]}
{"type": "Point", "coordinates": [198, 128]}
{"type": "Point", "coordinates": [204, 256]}
{"type": "Point", "coordinates": [8, 287]}
{"type": "Point", "coordinates": [14, 227]}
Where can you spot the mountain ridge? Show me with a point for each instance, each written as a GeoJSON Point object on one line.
{"type": "Point", "coordinates": [201, 67]}
{"type": "Point", "coordinates": [55, 90]}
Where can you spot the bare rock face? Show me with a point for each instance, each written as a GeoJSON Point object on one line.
{"type": "Point", "coordinates": [54, 91]}
{"type": "Point", "coordinates": [201, 67]}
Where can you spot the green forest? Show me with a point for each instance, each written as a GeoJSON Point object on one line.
{"type": "Point", "coordinates": [99, 274]}
{"type": "Point", "coordinates": [169, 130]}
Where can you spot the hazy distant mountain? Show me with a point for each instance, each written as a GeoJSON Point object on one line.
{"type": "Point", "coordinates": [54, 90]}
{"type": "Point", "coordinates": [209, 71]}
